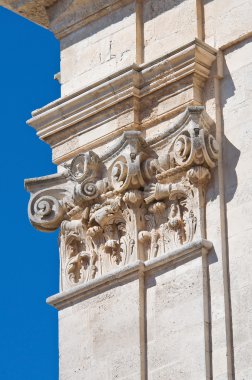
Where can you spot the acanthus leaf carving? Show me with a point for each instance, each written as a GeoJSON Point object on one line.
{"type": "Point", "coordinates": [143, 202]}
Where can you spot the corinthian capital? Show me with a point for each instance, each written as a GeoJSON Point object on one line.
{"type": "Point", "coordinates": [140, 200]}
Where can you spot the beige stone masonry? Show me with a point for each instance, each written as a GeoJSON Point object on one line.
{"type": "Point", "coordinates": [152, 196]}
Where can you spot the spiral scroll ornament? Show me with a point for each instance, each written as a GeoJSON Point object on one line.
{"type": "Point", "coordinates": [89, 190]}
{"type": "Point", "coordinates": [195, 146]}
{"type": "Point", "coordinates": [182, 148]}
{"type": "Point", "coordinates": [45, 212]}
{"type": "Point", "coordinates": [86, 191]}
{"type": "Point", "coordinates": [125, 172]}
{"type": "Point", "coordinates": [84, 165]}
{"type": "Point", "coordinates": [212, 148]}
{"type": "Point", "coordinates": [119, 174]}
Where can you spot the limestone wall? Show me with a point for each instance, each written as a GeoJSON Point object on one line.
{"type": "Point", "coordinates": [167, 26]}
{"type": "Point", "coordinates": [175, 323]}
{"type": "Point", "coordinates": [98, 49]}
{"type": "Point", "coordinates": [226, 21]}
{"type": "Point", "coordinates": [99, 337]}
{"type": "Point", "coordinates": [152, 138]}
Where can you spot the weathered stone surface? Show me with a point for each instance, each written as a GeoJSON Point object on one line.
{"type": "Point", "coordinates": [159, 32]}
{"type": "Point", "coordinates": [175, 323]}
{"type": "Point", "coordinates": [227, 21]}
{"type": "Point", "coordinates": [33, 10]}
{"type": "Point", "coordinates": [98, 345]}
{"type": "Point", "coordinates": [108, 42]}
{"type": "Point", "coordinates": [152, 138]}
{"type": "Point", "coordinates": [132, 203]}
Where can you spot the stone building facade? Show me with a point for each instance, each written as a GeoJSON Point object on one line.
{"type": "Point", "coordinates": [152, 196]}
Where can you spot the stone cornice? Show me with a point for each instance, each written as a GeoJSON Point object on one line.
{"type": "Point", "coordinates": [34, 11]}
{"type": "Point", "coordinates": [129, 273]}
{"type": "Point", "coordinates": [65, 19]}
{"type": "Point", "coordinates": [32, 184]}
{"type": "Point", "coordinates": [62, 17]}
{"type": "Point", "coordinates": [127, 91]}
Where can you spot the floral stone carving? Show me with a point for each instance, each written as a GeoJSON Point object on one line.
{"type": "Point", "coordinates": [141, 201]}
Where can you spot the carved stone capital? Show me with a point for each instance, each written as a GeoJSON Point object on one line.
{"type": "Point", "coordinates": [141, 201]}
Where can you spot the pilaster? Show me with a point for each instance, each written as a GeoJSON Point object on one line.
{"type": "Point", "coordinates": [136, 153]}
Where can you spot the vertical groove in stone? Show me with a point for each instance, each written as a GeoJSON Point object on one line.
{"type": "Point", "coordinates": [142, 327]}
{"type": "Point", "coordinates": [206, 291]}
{"type": "Point", "coordinates": [200, 20]}
{"type": "Point", "coordinates": [139, 32]}
{"type": "Point", "coordinates": [207, 316]}
{"type": "Point", "coordinates": [223, 221]}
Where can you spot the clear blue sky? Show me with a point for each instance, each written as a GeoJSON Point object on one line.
{"type": "Point", "coordinates": [29, 259]}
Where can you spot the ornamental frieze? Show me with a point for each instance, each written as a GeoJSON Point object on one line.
{"type": "Point", "coordinates": [140, 201]}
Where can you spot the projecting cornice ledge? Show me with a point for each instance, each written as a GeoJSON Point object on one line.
{"type": "Point", "coordinates": [135, 98]}
{"type": "Point", "coordinates": [62, 16]}
{"type": "Point", "coordinates": [129, 273]}
{"type": "Point", "coordinates": [34, 11]}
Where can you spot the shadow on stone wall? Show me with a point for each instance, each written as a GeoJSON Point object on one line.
{"type": "Point", "coordinates": [230, 153]}
{"type": "Point", "coordinates": [97, 26]}
{"type": "Point", "coordinates": [230, 157]}
{"type": "Point", "coordinates": [154, 8]}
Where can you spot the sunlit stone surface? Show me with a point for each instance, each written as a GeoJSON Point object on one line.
{"type": "Point", "coordinates": [152, 196]}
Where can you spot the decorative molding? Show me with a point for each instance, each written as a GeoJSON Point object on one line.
{"type": "Point", "coordinates": [132, 96]}
{"type": "Point", "coordinates": [63, 17]}
{"type": "Point", "coordinates": [139, 203]}
{"type": "Point", "coordinates": [66, 18]}
{"type": "Point", "coordinates": [33, 10]}
{"type": "Point", "coordinates": [128, 273]}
